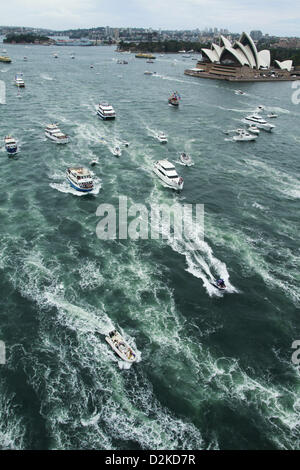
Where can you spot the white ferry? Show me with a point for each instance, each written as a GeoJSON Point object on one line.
{"type": "Point", "coordinates": [165, 170]}
{"type": "Point", "coordinates": [19, 80]}
{"type": "Point", "coordinates": [53, 132]}
{"type": "Point", "coordinates": [80, 179]}
{"type": "Point", "coordinates": [10, 145]}
{"type": "Point", "coordinates": [121, 348]}
{"type": "Point", "coordinates": [106, 111]}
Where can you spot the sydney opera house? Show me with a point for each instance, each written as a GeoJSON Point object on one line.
{"type": "Point", "coordinates": [241, 61]}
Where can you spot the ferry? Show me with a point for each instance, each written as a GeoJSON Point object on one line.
{"type": "Point", "coordinates": [4, 58]}
{"type": "Point", "coordinates": [174, 99]}
{"type": "Point", "coordinates": [120, 346]}
{"type": "Point", "coordinates": [80, 179]}
{"type": "Point", "coordinates": [165, 170]}
{"type": "Point", "coordinates": [19, 80]}
{"type": "Point", "coordinates": [10, 145]}
{"type": "Point", "coordinates": [142, 55]}
{"type": "Point", "coordinates": [259, 122]}
{"type": "Point", "coordinates": [106, 111]}
{"type": "Point", "coordinates": [53, 132]}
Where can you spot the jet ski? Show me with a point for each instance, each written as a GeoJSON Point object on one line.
{"type": "Point", "coordinates": [219, 284]}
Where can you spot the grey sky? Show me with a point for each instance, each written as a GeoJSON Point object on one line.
{"type": "Point", "coordinates": [280, 17]}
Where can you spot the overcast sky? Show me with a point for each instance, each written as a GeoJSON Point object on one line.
{"type": "Point", "coordinates": [278, 17]}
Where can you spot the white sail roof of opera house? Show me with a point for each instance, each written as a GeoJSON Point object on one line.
{"type": "Point", "coordinates": [285, 65]}
{"type": "Point", "coordinates": [242, 51]}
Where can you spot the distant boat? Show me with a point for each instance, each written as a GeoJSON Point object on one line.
{"type": "Point", "coordinates": [142, 55]}
{"type": "Point", "coordinates": [10, 145]}
{"type": "Point", "coordinates": [19, 80]}
{"type": "Point", "coordinates": [174, 99]}
{"type": "Point", "coordinates": [5, 59]}
{"type": "Point", "coordinates": [25, 58]}
{"type": "Point", "coordinates": [80, 179]}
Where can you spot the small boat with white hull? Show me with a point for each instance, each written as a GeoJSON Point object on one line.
{"type": "Point", "coordinates": [165, 170]}
{"type": "Point", "coordinates": [120, 346]}
{"type": "Point", "coordinates": [53, 132]}
{"type": "Point", "coordinates": [80, 179]}
{"type": "Point", "coordinates": [10, 145]}
{"type": "Point", "coordinates": [19, 81]}
{"type": "Point", "coordinates": [106, 111]}
{"type": "Point", "coordinates": [243, 136]}
{"type": "Point", "coordinates": [186, 159]}
{"type": "Point", "coordinates": [272, 115]}
{"type": "Point", "coordinates": [253, 129]}
{"type": "Point", "coordinates": [259, 122]}
{"type": "Point", "coordinates": [162, 138]}
{"type": "Point", "coordinates": [117, 152]}
{"type": "Point", "coordinates": [174, 99]}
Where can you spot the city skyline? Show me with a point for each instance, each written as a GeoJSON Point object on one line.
{"type": "Point", "coordinates": [276, 17]}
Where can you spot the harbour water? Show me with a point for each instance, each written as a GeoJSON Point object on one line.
{"type": "Point", "coordinates": [214, 369]}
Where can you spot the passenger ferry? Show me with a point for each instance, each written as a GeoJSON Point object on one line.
{"type": "Point", "coordinates": [119, 345]}
{"type": "Point", "coordinates": [10, 145]}
{"type": "Point", "coordinates": [106, 111]}
{"type": "Point", "coordinates": [53, 132]}
{"type": "Point", "coordinates": [165, 170]}
{"type": "Point", "coordinates": [19, 80]}
{"type": "Point", "coordinates": [4, 58]}
{"type": "Point", "coordinates": [80, 179]}
{"type": "Point", "coordinates": [142, 55]}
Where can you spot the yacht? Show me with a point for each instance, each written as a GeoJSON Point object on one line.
{"type": "Point", "coordinates": [10, 145]}
{"type": "Point", "coordinates": [120, 346]}
{"type": "Point", "coordinates": [106, 111]}
{"type": "Point", "coordinates": [117, 152]}
{"type": "Point", "coordinates": [19, 80]}
{"type": "Point", "coordinates": [80, 179]}
{"type": "Point", "coordinates": [162, 138]}
{"type": "Point", "coordinates": [259, 122]}
{"type": "Point", "coordinates": [186, 159]}
{"type": "Point", "coordinates": [53, 132]}
{"type": "Point", "coordinates": [243, 136]}
{"type": "Point", "coordinates": [165, 170]}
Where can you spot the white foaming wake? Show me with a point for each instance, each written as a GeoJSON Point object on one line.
{"type": "Point", "coordinates": [45, 76]}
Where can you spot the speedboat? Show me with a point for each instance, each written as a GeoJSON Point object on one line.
{"type": "Point", "coordinates": [219, 284]}
{"type": "Point", "coordinates": [120, 346]}
{"type": "Point", "coordinates": [106, 111]}
{"type": "Point", "coordinates": [91, 66]}
{"type": "Point", "coordinates": [186, 159]}
{"type": "Point", "coordinates": [53, 132]}
{"type": "Point", "coordinates": [272, 115]}
{"type": "Point", "coordinates": [94, 161]}
{"type": "Point", "coordinates": [165, 170]}
{"type": "Point", "coordinates": [117, 152]}
{"type": "Point", "coordinates": [243, 136]}
{"type": "Point", "coordinates": [259, 122]}
{"type": "Point", "coordinates": [80, 179]}
{"type": "Point", "coordinates": [10, 145]}
{"type": "Point", "coordinates": [239, 92]}
{"type": "Point", "coordinates": [253, 129]}
{"type": "Point", "coordinates": [162, 138]}
{"type": "Point", "coordinates": [19, 80]}
{"type": "Point", "coordinates": [174, 99]}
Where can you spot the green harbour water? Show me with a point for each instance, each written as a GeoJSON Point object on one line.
{"type": "Point", "coordinates": [215, 369]}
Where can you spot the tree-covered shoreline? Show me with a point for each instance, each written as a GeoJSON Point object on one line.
{"type": "Point", "coordinates": [26, 38]}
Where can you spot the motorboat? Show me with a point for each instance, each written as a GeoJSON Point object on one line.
{"type": "Point", "coordinates": [174, 99]}
{"type": "Point", "coordinates": [25, 58]}
{"type": "Point", "coordinates": [162, 138]}
{"type": "Point", "coordinates": [120, 346]}
{"type": "Point", "coordinates": [165, 170]}
{"type": "Point", "coordinates": [253, 129]}
{"type": "Point", "coordinates": [243, 136]}
{"type": "Point", "coordinates": [117, 152]}
{"type": "Point", "coordinates": [148, 73]}
{"type": "Point", "coordinates": [259, 122]}
{"type": "Point", "coordinates": [106, 111]}
{"type": "Point", "coordinates": [272, 115]}
{"type": "Point", "coordinates": [19, 80]}
{"type": "Point", "coordinates": [53, 132]}
{"type": "Point", "coordinates": [186, 159]}
{"type": "Point", "coordinates": [91, 66]}
{"type": "Point", "coordinates": [239, 92]}
{"type": "Point", "coordinates": [10, 145]}
{"type": "Point", "coordinates": [150, 61]}
{"type": "Point", "coordinates": [80, 179]}
{"type": "Point", "coordinates": [94, 162]}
